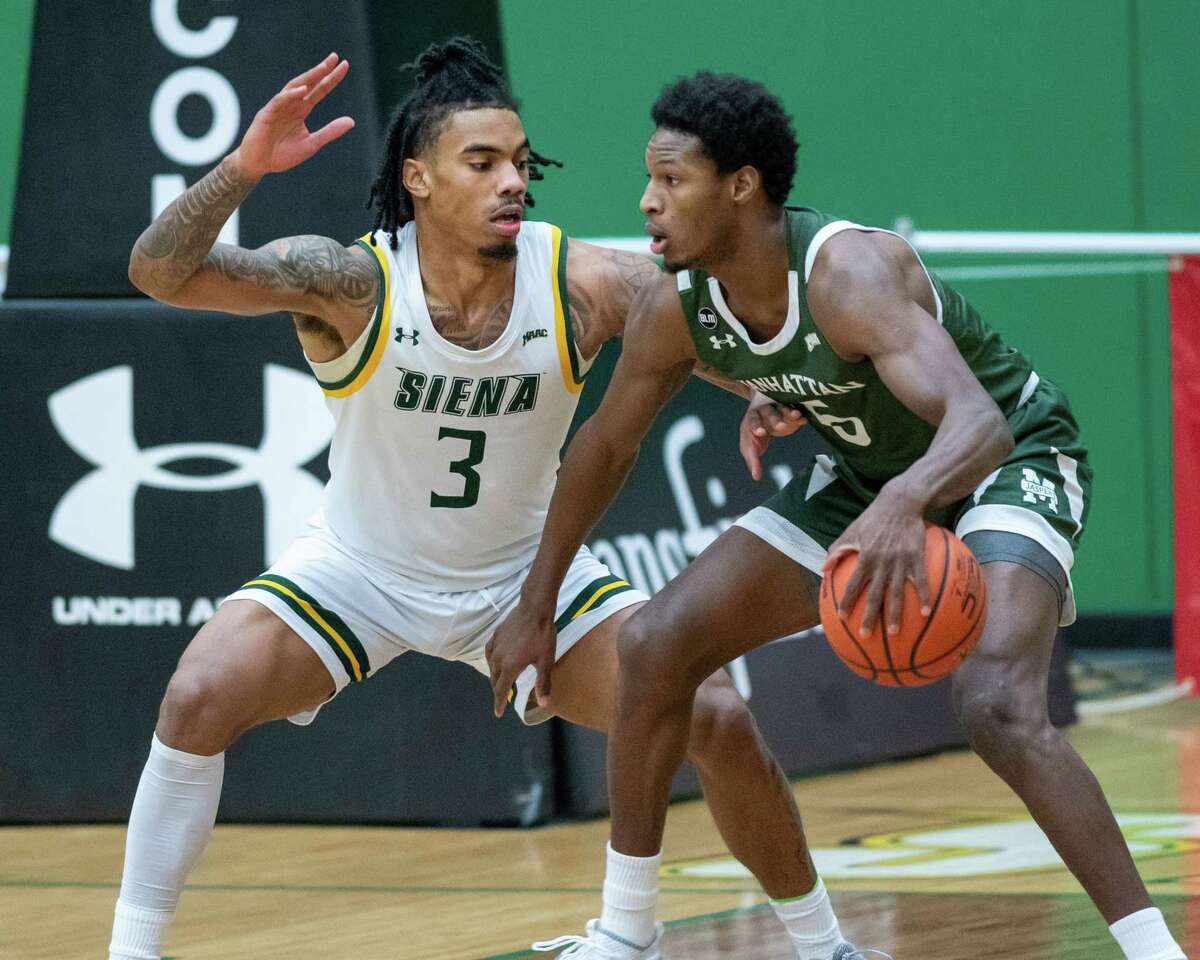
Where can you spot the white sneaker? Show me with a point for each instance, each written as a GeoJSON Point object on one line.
{"type": "Point", "coordinates": [848, 951]}
{"type": "Point", "coordinates": [599, 944]}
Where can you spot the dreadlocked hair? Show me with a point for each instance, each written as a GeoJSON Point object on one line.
{"type": "Point", "coordinates": [451, 76]}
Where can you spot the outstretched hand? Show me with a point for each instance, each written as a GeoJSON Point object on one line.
{"type": "Point", "coordinates": [763, 420]}
{"type": "Point", "coordinates": [278, 138]}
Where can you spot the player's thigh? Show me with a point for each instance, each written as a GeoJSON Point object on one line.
{"type": "Point", "coordinates": [584, 684]}
{"type": "Point", "coordinates": [738, 594]}
{"type": "Point", "coordinates": [758, 581]}
{"type": "Point", "coordinates": [286, 641]}
{"type": "Point", "coordinates": [244, 667]}
{"type": "Point", "coordinates": [585, 679]}
{"type": "Point", "coordinates": [1006, 675]}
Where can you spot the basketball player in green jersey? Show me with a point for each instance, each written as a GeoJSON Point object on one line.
{"type": "Point", "coordinates": [928, 414]}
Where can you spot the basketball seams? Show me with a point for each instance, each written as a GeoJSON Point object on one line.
{"type": "Point", "coordinates": [946, 549]}
{"type": "Point", "coordinates": [833, 593]}
{"type": "Point", "coordinates": [887, 652]}
{"type": "Point", "coordinates": [859, 656]}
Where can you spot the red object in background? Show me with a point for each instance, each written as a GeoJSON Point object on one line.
{"type": "Point", "coordinates": [1184, 287]}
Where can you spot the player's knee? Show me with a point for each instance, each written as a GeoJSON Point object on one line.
{"type": "Point", "coordinates": [723, 729]}
{"type": "Point", "coordinates": [1003, 722]}
{"type": "Point", "coordinates": [649, 653]}
{"type": "Point", "coordinates": [196, 715]}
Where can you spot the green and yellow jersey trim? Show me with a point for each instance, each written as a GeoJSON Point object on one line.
{"type": "Point", "coordinates": [377, 339]}
{"type": "Point", "coordinates": [328, 625]}
{"type": "Point", "coordinates": [595, 594]}
{"type": "Point", "coordinates": [567, 354]}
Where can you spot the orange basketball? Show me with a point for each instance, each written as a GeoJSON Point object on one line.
{"type": "Point", "coordinates": [925, 648]}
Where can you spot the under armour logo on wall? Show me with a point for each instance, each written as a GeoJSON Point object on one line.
{"type": "Point", "coordinates": [95, 517]}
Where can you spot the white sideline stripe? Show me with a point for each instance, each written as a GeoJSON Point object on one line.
{"type": "Point", "coordinates": [970, 241]}
{"type": "Point", "coordinates": [1003, 241]}
{"type": "Point", "coordinates": [1136, 701]}
{"type": "Point", "coordinates": [1025, 271]}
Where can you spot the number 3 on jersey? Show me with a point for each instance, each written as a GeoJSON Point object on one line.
{"type": "Point", "coordinates": [464, 468]}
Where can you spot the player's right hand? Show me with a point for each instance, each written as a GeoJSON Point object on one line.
{"type": "Point", "coordinates": [763, 420]}
{"type": "Point", "coordinates": [278, 139]}
{"type": "Point", "coordinates": [526, 636]}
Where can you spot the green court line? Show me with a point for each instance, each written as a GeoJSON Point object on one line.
{"type": "Point", "coordinates": [417, 888]}
{"type": "Point", "coordinates": [333, 888]}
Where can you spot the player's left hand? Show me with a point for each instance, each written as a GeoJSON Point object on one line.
{"type": "Point", "coordinates": [524, 637]}
{"type": "Point", "coordinates": [890, 539]}
{"type": "Point", "coordinates": [764, 419]}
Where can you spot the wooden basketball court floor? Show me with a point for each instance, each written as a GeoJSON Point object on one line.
{"type": "Point", "coordinates": [928, 859]}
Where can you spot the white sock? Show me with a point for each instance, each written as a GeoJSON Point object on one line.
{"type": "Point", "coordinates": [1144, 936]}
{"type": "Point", "coordinates": [630, 895]}
{"type": "Point", "coordinates": [810, 923]}
{"type": "Point", "coordinates": [169, 827]}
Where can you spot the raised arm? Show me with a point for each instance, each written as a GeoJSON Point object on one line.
{"type": "Point", "coordinates": [177, 260]}
{"type": "Point", "coordinates": [870, 296]}
{"type": "Point", "coordinates": [656, 361]}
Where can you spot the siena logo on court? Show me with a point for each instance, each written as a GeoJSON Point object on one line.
{"type": "Point", "coordinates": [95, 517]}
{"type": "Point", "coordinates": [976, 850]}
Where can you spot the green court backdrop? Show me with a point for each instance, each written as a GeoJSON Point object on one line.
{"type": "Point", "coordinates": [1075, 115]}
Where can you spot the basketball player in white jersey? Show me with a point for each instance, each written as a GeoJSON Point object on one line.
{"type": "Point", "coordinates": [451, 344]}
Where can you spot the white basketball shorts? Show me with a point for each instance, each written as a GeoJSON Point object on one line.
{"type": "Point", "coordinates": [330, 598]}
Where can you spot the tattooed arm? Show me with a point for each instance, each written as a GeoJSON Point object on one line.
{"type": "Point", "coordinates": [177, 260]}
{"type": "Point", "coordinates": [602, 284]}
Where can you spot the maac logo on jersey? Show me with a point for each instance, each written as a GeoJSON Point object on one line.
{"type": "Point", "coordinates": [707, 319]}
{"type": "Point", "coordinates": [812, 341]}
{"type": "Point", "coordinates": [534, 335]}
{"type": "Point", "coordinates": [401, 336]}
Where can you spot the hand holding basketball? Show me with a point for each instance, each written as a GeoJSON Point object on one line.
{"type": "Point", "coordinates": [889, 538]}
{"type": "Point", "coordinates": [931, 638]}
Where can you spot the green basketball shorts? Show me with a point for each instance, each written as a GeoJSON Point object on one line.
{"type": "Point", "coordinates": [1042, 491]}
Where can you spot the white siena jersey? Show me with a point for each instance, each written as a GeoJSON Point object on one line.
{"type": "Point", "coordinates": [443, 458]}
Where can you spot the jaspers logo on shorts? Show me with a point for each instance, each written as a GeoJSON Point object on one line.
{"type": "Point", "coordinates": [466, 397]}
{"type": "Point", "coordinates": [1035, 489]}
{"type": "Point", "coordinates": [95, 518]}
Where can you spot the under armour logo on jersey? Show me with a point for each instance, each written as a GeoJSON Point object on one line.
{"type": "Point", "coordinates": [401, 336]}
{"type": "Point", "coordinates": [812, 341]}
{"type": "Point", "coordinates": [95, 518]}
{"type": "Point", "coordinates": [708, 319]}
{"type": "Point", "coordinates": [534, 335]}
{"type": "Point", "coordinates": [726, 341]}
{"type": "Point", "coordinates": [1038, 489]}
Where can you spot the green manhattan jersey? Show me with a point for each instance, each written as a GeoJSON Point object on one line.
{"type": "Point", "coordinates": [873, 435]}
